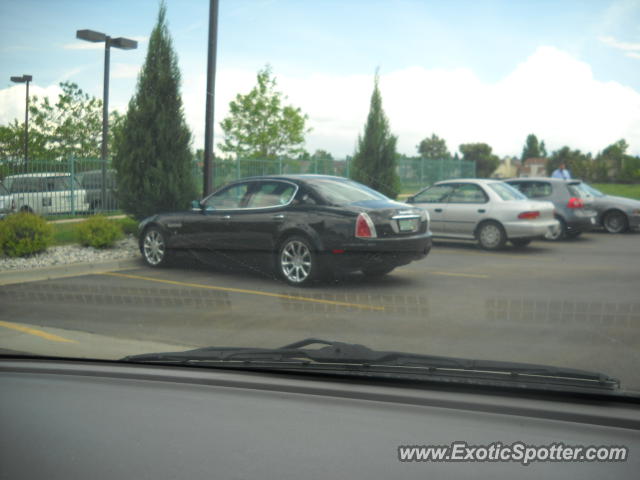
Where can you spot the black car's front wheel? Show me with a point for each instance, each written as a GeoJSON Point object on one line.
{"type": "Point", "coordinates": [154, 248]}
{"type": "Point", "coordinates": [297, 262]}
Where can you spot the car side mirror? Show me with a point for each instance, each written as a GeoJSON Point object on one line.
{"type": "Point", "coordinates": [411, 199]}
{"type": "Point", "coordinates": [196, 205]}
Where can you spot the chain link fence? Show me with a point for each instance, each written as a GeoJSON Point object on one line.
{"type": "Point", "coordinates": [80, 187]}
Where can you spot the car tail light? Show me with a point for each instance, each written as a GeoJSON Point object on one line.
{"type": "Point", "coordinates": [575, 202]}
{"type": "Point", "coordinates": [529, 215]}
{"type": "Point", "coordinates": [365, 227]}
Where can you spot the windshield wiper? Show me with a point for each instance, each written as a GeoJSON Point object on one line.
{"type": "Point", "coordinates": [355, 359]}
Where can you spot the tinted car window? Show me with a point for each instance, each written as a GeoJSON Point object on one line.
{"type": "Point", "coordinates": [435, 194]}
{"type": "Point", "coordinates": [229, 198]}
{"type": "Point", "coordinates": [468, 193]}
{"type": "Point", "coordinates": [506, 191]}
{"type": "Point", "coordinates": [3, 190]}
{"type": "Point", "coordinates": [576, 191]}
{"type": "Point", "coordinates": [343, 193]}
{"type": "Point", "coordinates": [271, 194]}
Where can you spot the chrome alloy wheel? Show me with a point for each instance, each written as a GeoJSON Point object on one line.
{"type": "Point", "coordinates": [295, 261]}
{"type": "Point", "coordinates": [153, 247]}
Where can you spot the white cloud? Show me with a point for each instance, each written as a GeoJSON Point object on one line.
{"type": "Point", "coordinates": [624, 46]}
{"type": "Point", "coordinates": [12, 100]}
{"type": "Point", "coordinates": [125, 70]}
{"type": "Point", "coordinates": [633, 54]}
{"type": "Point", "coordinates": [551, 94]}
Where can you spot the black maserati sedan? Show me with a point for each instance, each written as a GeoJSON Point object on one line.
{"type": "Point", "coordinates": [309, 226]}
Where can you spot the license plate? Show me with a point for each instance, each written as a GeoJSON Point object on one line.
{"type": "Point", "coordinates": [408, 225]}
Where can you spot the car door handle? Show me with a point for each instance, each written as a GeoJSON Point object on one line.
{"type": "Point", "coordinates": [226, 217]}
{"type": "Point", "coordinates": [278, 217]}
{"type": "Point", "coordinates": [482, 210]}
{"type": "Point", "coordinates": [438, 210]}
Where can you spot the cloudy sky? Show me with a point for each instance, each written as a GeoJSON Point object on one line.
{"type": "Point", "coordinates": [469, 71]}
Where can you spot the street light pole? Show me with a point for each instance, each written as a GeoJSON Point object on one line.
{"type": "Point", "coordinates": [210, 102]}
{"type": "Point", "coordinates": [124, 44]}
{"type": "Point", "coordinates": [104, 151]}
{"type": "Point", "coordinates": [25, 79]}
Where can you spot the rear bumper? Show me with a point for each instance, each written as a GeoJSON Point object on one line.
{"type": "Point", "coordinates": [379, 252]}
{"type": "Point", "coordinates": [530, 229]}
{"type": "Point", "coordinates": [584, 222]}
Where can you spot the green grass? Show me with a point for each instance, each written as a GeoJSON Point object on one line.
{"type": "Point", "coordinates": [64, 233]}
{"type": "Point", "coordinates": [630, 191]}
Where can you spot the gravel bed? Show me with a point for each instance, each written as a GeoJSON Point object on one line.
{"type": "Point", "coordinates": [66, 254]}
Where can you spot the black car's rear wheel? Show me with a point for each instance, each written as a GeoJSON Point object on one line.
{"type": "Point", "coordinates": [154, 248]}
{"type": "Point", "coordinates": [615, 222]}
{"type": "Point", "coordinates": [297, 262]}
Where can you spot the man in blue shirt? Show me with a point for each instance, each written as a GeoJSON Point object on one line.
{"type": "Point", "coordinates": [561, 172]}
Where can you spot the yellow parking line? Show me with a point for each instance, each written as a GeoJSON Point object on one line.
{"type": "Point", "coordinates": [250, 292]}
{"type": "Point", "coordinates": [468, 275]}
{"type": "Point", "coordinates": [36, 332]}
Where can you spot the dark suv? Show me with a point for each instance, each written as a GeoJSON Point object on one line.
{"type": "Point", "coordinates": [91, 182]}
{"type": "Point", "coordinates": [573, 208]}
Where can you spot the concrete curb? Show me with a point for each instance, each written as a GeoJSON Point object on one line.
{"type": "Point", "coordinates": [69, 270]}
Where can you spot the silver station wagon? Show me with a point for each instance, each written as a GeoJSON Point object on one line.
{"type": "Point", "coordinates": [488, 211]}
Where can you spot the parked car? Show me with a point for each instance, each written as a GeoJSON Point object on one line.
{"type": "Point", "coordinates": [91, 182]}
{"type": "Point", "coordinates": [309, 226]}
{"type": "Point", "coordinates": [573, 207]}
{"type": "Point", "coordinates": [7, 203]}
{"type": "Point", "coordinates": [614, 214]}
{"type": "Point", "coordinates": [488, 211]}
{"type": "Point", "coordinates": [47, 193]}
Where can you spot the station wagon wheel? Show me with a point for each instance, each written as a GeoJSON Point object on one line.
{"type": "Point", "coordinates": [297, 261]}
{"type": "Point", "coordinates": [615, 222]}
{"type": "Point", "coordinates": [491, 236]}
{"type": "Point", "coordinates": [154, 248]}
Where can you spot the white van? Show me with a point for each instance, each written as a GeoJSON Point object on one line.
{"type": "Point", "coordinates": [47, 193]}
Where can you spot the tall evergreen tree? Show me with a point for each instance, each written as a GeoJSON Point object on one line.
{"type": "Point", "coordinates": [532, 148]}
{"type": "Point", "coordinates": [152, 154]}
{"type": "Point", "coordinates": [374, 162]}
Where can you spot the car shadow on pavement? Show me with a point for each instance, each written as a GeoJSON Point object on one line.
{"type": "Point", "coordinates": [535, 248]}
{"type": "Point", "coordinates": [247, 270]}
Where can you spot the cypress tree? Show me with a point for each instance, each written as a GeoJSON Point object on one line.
{"type": "Point", "coordinates": [152, 148]}
{"type": "Point", "coordinates": [374, 163]}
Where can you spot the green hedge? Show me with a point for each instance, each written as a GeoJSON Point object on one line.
{"type": "Point", "coordinates": [98, 232]}
{"type": "Point", "coordinates": [23, 234]}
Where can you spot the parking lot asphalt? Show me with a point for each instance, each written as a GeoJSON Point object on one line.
{"type": "Point", "coordinates": [574, 303]}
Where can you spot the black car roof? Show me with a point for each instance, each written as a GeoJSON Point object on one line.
{"type": "Point", "coordinates": [298, 177]}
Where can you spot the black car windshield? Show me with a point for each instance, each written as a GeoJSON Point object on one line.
{"type": "Point", "coordinates": [506, 191]}
{"type": "Point", "coordinates": [340, 192]}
